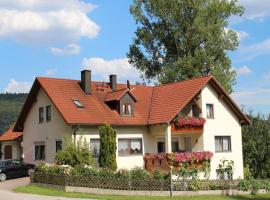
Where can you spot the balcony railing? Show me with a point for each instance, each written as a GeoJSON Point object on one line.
{"type": "Point", "coordinates": [161, 161]}
{"type": "Point", "coordinates": [188, 124]}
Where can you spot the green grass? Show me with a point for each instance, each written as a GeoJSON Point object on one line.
{"type": "Point", "coordinates": [31, 189]}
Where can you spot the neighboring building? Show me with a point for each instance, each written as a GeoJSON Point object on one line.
{"type": "Point", "coordinates": [146, 119]}
{"type": "Point", "coordinates": [11, 145]}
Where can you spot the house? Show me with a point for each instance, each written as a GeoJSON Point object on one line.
{"type": "Point", "coordinates": [146, 118]}
{"type": "Point", "coordinates": [11, 145]}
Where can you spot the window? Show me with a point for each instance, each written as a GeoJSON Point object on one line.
{"type": "Point", "coordinates": [210, 111]}
{"type": "Point", "coordinates": [126, 109]}
{"type": "Point", "coordinates": [175, 144]}
{"type": "Point", "coordinates": [58, 145]}
{"type": "Point", "coordinates": [48, 113]}
{"type": "Point", "coordinates": [161, 144]}
{"type": "Point", "coordinates": [41, 115]}
{"type": "Point", "coordinates": [95, 147]}
{"type": "Point", "coordinates": [129, 147]}
{"type": "Point", "coordinates": [78, 103]}
{"type": "Point", "coordinates": [223, 143]}
{"type": "Point", "coordinates": [40, 151]}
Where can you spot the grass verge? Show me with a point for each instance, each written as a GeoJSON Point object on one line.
{"type": "Point", "coordinates": [31, 189]}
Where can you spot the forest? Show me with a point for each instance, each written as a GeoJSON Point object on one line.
{"type": "Point", "coordinates": [10, 107]}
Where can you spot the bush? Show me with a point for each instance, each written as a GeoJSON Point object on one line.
{"type": "Point", "coordinates": [107, 156]}
{"type": "Point", "coordinates": [74, 153]}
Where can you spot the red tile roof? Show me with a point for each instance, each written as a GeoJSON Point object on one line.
{"type": "Point", "coordinates": [168, 100]}
{"type": "Point", "coordinates": [117, 95]}
{"type": "Point", "coordinates": [154, 105]}
{"type": "Point", "coordinates": [10, 135]}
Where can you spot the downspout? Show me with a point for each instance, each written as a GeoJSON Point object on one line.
{"type": "Point", "coordinates": [75, 132]}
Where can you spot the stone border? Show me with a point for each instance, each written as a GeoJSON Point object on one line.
{"type": "Point", "coordinates": [145, 193]}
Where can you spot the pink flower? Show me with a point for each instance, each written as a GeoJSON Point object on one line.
{"type": "Point", "coordinates": [190, 121]}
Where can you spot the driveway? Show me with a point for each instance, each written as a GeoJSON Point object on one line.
{"type": "Point", "coordinates": [7, 194]}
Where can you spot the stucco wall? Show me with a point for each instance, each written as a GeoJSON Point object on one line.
{"type": "Point", "coordinates": [47, 132]}
{"type": "Point", "coordinates": [225, 123]}
{"type": "Point", "coordinates": [123, 162]}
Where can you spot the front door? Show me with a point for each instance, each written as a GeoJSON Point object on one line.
{"type": "Point", "coordinates": [8, 152]}
{"type": "Point", "coordinates": [188, 144]}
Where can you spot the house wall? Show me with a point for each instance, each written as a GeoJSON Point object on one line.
{"type": "Point", "coordinates": [47, 132]}
{"type": "Point", "coordinates": [225, 123]}
{"type": "Point", "coordinates": [16, 149]}
{"type": "Point", "coordinates": [123, 162]}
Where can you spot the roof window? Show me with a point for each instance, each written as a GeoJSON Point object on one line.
{"type": "Point", "coordinates": [78, 103]}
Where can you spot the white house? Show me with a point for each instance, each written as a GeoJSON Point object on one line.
{"type": "Point", "coordinates": [145, 118]}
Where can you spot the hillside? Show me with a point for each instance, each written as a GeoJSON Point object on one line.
{"type": "Point", "coordinates": [10, 107]}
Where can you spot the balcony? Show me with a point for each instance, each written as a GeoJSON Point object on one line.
{"type": "Point", "coordinates": [161, 161]}
{"type": "Point", "coordinates": [188, 125]}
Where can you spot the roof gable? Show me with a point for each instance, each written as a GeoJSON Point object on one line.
{"type": "Point", "coordinates": [117, 95]}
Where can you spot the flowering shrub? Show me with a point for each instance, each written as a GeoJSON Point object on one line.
{"type": "Point", "coordinates": [190, 121]}
{"type": "Point", "coordinates": [133, 174]}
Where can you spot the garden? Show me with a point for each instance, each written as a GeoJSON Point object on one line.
{"type": "Point", "coordinates": [74, 167]}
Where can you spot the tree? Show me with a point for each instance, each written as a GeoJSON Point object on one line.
{"type": "Point", "coordinates": [75, 153]}
{"type": "Point", "coordinates": [256, 146]}
{"type": "Point", "coordinates": [181, 39]}
{"type": "Point", "coordinates": [107, 156]}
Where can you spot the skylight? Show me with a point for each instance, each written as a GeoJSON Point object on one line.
{"type": "Point", "coordinates": [78, 103]}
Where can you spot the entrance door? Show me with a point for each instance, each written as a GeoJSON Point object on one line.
{"type": "Point", "coordinates": [8, 152]}
{"type": "Point", "coordinates": [188, 144]}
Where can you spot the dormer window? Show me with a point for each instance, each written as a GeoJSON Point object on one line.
{"type": "Point", "coordinates": [126, 109]}
{"type": "Point", "coordinates": [78, 103]}
{"type": "Point", "coordinates": [123, 101]}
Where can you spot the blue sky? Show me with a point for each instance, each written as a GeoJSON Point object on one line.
{"type": "Point", "coordinates": [60, 38]}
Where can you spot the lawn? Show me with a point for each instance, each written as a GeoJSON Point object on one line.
{"type": "Point", "coordinates": [30, 189]}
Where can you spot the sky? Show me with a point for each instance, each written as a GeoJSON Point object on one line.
{"type": "Point", "coordinates": [60, 38]}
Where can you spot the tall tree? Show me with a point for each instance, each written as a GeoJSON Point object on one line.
{"type": "Point", "coordinates": [256, 146]}
{"type": "Point", "coordinates": [181, 39]}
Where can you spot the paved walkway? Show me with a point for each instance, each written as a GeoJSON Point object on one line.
{"type": "Point", "coordinates": [7, 194]}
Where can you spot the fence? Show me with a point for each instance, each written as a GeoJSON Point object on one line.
{"type": "Point", "coordinates": [150, 184]}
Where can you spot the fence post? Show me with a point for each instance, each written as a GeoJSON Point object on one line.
{"type": "Point", "coordinates": [171, 183]}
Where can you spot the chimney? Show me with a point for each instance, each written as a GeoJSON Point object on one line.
{"type": "Point", "coordinates": [113, 82]}
{"type": "Point", "coordinates": [128, 84]}
{"type": "Point", "coordinates": [86, 81]}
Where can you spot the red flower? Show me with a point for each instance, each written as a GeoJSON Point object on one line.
{"type": "Point", "coordinates": [190, 121]}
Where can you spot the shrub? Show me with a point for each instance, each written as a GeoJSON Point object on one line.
{"type": "Point", "coordinates": [74, 153]}
{"type": "Point", "coordinates": [107, 156]}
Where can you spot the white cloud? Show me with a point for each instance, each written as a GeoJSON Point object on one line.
{"type": "Point", "coordinates": [242, 35]}
{"type": "Point", "coordinates": [70, 49]}
{"type": "Point", "coordinates": [103, 68]}
{"type": "Point", "coordinates": [51, 72]}
{"type": "Point", "coordinates": [18, 87]}
{"type": "Point", "coordinates": [243, 70]}
{"type": "Point", "coordinates": [46, 21]}
{"type": "Point", "coordinates": [253, 97]}
{"type": "Point", "coordinates": [252, 51]}
{"type": "Point", "coordinates": [255, 9]}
